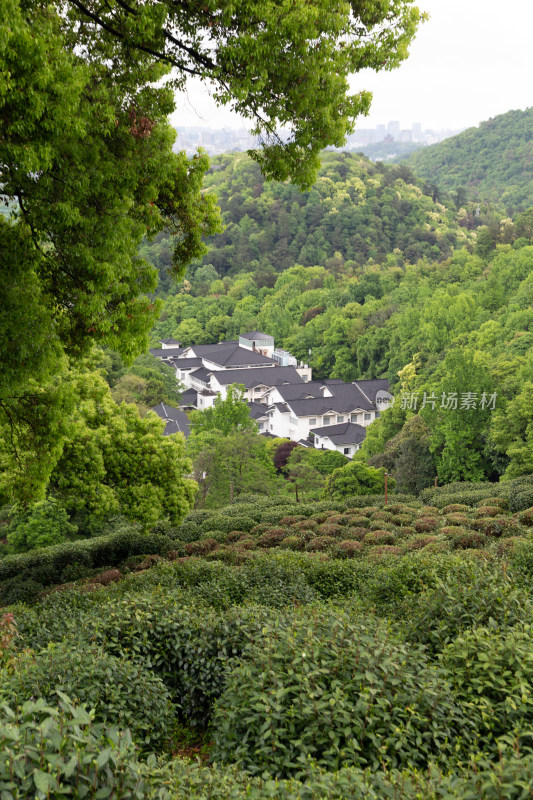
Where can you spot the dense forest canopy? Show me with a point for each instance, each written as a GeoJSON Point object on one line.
{"type": "Point", "coordinates": [492, 162]}
{"type": "Point", "coordinates": [365, 212]}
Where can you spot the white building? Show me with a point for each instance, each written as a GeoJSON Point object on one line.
{"type": "Point", "coordinates": [283, 398]}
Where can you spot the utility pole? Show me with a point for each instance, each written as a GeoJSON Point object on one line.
{"type": "Point", "coordinates": [386, 476]}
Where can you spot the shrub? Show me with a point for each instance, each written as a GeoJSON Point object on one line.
{"type": "Point", "coordinates": [328, 529]}
{"type": "Point", "coordinates": [325, 689]}
{"type": "Point", "coordinates": [322, 516]}
{"type": "Point", "coordinates": [228, 523]}
{"type": "Point", "coordinates": [489, 672]}
{"type": "Point", "coordinates": [488, 511]}
{"type": "Point", "coordinates": [457, 519]}
{"type": "Point", "coordinates": [121, 692]}
{"type": "Point", "coordinates": [305, 525]}
{"type": "Point", "coordinates": [379, 537]}
{"type": "Point", "coordinates": [359, 521]}
{"type": "Point", "coordinates": [519, 500]}
{"type": "Point", "coordinates": [526, 517]}
{"type": "Point", "coordinates": [455, 507]}
{"type": "Point", "coordinates": [419, 542]}
{"type": "Point", "coordinates": [473, 595]}
{"type": "Point", "coordinates": [385, 550]}
{"type": "Point", "coordinates": [201, 548]}
{"type": "Point", "coordinates": [320, 543]}
{"type": "Point", "coordinates": [47, 565]}
{"type": "Point", "coordinates": [293, 543]}
{"type": "Point", "coordinates": [43, 749]}
{"type": "Point", "coordinates": [469, 541]}
{"type": "Point", "coordinates": [384, 516]}
{"type": "Point", "coordinates": [339, 519]}
{"type": "Point", "coordinates": [426, 524]}
{"type": "Point", "coordinates": [235, 536]}
{"type": "Point", "coordinates": [355, 533]}
{"type": "Point", "coordinates": [291, 519]}
{"type": "Point", "coordinates": [261, 527]}
{"type": "Point", "coordinates": [19, 590]}
{"type": "Point", "coordinates": [348, 548]}
{"type": "Point", "coordinates": [453, 530]}
{"type": "Point", "coordinates": [402, 520]}
{"type": "Point", "coordinates": [190, 647]}
{"type": "Point", "coordinates": [496, 526]}
{"type": "Point", "coordinates": [501, 502]}
{"type": "Point", "coordinates": [272, 537]}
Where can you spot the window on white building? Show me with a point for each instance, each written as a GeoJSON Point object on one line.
{"type": "Point", "coordinates": [355, 417]}
{"type": "Point", "coordinates": [293, 420]}
{"type": "Point", "coordinates": [347, 451]}
{"type": "Point", "coordinates": [305, 377]}
{"type": "Point", "coordinates": [367, 417]}
{"type": "Point", "coordinates": [260, 425]}
{"type": "Point", "coordinates": [326, 420]}
{"type": "Point", "coordinates": [340, 418]}
{"type": "Point", "coordinates": [312, 421]}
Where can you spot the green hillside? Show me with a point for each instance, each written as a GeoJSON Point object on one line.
{"type": "Point", "coordinates": [363, 211]}
{"type": "Point", "coordinates": [493, 162]}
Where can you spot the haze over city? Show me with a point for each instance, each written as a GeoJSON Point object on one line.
{"type": "Point", "coordinates": [467, 63]}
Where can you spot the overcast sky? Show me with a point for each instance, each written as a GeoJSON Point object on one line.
{"type": "Point", "coordinates": [470, 61]}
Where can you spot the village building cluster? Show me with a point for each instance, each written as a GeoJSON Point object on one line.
{"type": "Point", "coordinates": [282, 397]}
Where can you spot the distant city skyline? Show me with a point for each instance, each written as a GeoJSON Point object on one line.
{"type": "Point", "coordinates": [469, 62]}
{"type": "Point", "coordinates": [226, 139]}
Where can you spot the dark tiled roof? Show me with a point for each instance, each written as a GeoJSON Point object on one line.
{"type": "Point", "coordinates": [301, 391]}
{"type": "Point", "coordinates": [257, 410]}
{"type": "Point", "coordinates": [251, 335]}
{"type": "Point", "coordinates": [201, 374]}
{"type": "Point", "coordinates": [176, 420]}
{"type": "Point", "coordinates": [166, 352]}
{"type": "Point", "coordinates": [370, 387]}
{"type": "Point", "coordinates": [348, 397]}
{"type": "Point", "coordinates": [233, 355]}
{"type": "Point", "coordinates": [344, 433]}
{"type": "Point", "coordinates": [189, 398]}
{"type": "Point", "coordinates": [186, 363]}
{"type": "Point", "coordinates": [267, 376]}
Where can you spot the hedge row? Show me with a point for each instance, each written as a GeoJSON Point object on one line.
{"type": "Point", "coordinates": [52, 565]}
{"type": "Point", "coordinates": [518, 493]}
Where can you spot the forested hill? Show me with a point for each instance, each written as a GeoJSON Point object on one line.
{"type": "Point", "coordinates": [492, 162]}
{"type": "Point", "coordinates": [360, 210]}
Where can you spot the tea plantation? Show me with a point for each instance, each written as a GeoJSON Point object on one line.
{"type": "Point", "coordinates": [271, 650]}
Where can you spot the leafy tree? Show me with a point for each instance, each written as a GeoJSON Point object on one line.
{"type": "Point", "coordinates": [282, 452]}
{"type": "Point", "coordinates": [459, 427]}
{"type": "Point", "coordinates": [512, 433]}
{"type": "Point", "coordinates": [408, 458]}
{"type": "Point", "coordinates": [325, 461]}
{"type": "Point", "coordinates": [115, 463]}
{"type": "Point", "coordinates": [303, 475]}
{"type": "Point", "coordinates": [231, 464]}
{"type": "Point", "coordinates": [356, 478]}
{"type": "Point", "coordinates": [45, 523]}
{"type": "Point", "coordinates": [226, 415]}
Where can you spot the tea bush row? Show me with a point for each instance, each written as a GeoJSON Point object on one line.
{"type": "Point", "coordinates": [52, 565]}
